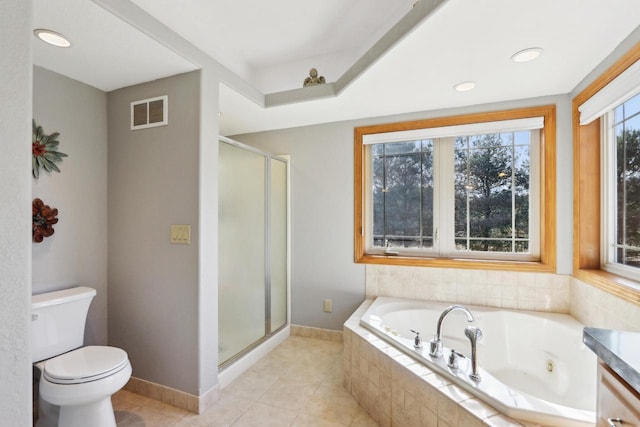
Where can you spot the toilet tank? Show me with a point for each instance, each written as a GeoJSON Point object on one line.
{"type": "Point", "coordinates": [57, 321]}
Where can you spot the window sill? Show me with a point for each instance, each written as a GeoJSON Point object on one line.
{"type": "Point", "coordinates": [524, 266]}
{"type": "Point", "coordinates": [619, 286]}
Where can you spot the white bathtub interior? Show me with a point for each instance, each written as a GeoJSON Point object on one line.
{"type": "Point", "coordinates": [533, 365]}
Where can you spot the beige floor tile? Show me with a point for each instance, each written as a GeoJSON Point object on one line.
{"type": "Point", "coordinates": [298, 384]}
{"type": "Point", "coordinates": [225, 412]}
{"type": "Point", "coordinates": [263, 415]}
{"type": "Point", "coordinates": [128, 419]}
{"type": "Point", "coordinates": [251, 384]}
{"type": "Point", "coordinates": [291, 395]}
{"type": "Point", "coordinates": [152, 417]}
{"type": "Point", "coordinates": [362, 419]}
{"type": "Point", "coordinates": [125, 400]}
{"type": "Point", "coordinates": [304, 420]}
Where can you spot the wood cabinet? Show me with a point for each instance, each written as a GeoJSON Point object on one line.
{"type": "Point", "coordinates": [616, 400]}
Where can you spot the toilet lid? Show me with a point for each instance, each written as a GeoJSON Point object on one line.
{"type": "Point", "coordinates": [85, 364]}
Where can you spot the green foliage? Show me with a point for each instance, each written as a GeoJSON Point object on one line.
{"type": "Point", "coordinates": [44, 150]}
{"type": "Point", "coordinates": [628, 194]}
{"type": "Point", "coordinates": [491, 185]}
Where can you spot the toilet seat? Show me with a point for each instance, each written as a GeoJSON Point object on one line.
{"type": "Point", "coordinates": [85, 364]}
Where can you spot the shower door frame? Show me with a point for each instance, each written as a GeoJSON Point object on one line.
{"type": "Point", "coordinates": [267, 255]}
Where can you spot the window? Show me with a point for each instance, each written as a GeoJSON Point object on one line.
{"type": "Point", "coordinates": [621, 190]}
{"type": "Point", "coordinates": [461, 191]}
{"type": "Point", "coordinates": [593, 221]}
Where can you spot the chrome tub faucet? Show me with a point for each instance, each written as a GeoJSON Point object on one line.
{"type": "Point", "coordinates": [435, 345]}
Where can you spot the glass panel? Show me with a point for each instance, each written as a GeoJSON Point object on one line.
{"type": "Point", "coordinates": [278, 244]}
{"type": "Point", "coordinates": [402, 200]}
{"type": "Point", "coordinates": [241, 288]}
{"type": "Point", "coordinates": [521, 203]}
{"type": "Point", "coordinates": [378, 198]}
{"type": "Point", "coordinates": [402, 194]}
{"type": "Point", "coordinates": [620, 172]}
{"type": "Point", "coordinates": [427, 196]}
{"type": "Point", "coordinates": [402, 147]}
{"type": "Point", "coordinates": [492, 192]}
{"type": "Point", "coordinates": [631, 141]}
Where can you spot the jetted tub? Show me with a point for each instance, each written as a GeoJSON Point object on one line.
{"type": "Point", "coordinates": [533, 365]}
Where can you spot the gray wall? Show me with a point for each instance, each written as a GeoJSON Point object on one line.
{"type": "Point", "coordinates": [322, 206]}
{"type": "Point", "coordinates": [15, 218]}
{"type": "Point", "coordinates": [76, 254]}
{"type": "Point", "coordinates": [153, 284]}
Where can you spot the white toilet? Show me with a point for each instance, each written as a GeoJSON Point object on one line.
{"type": "Point", "coordinates": [77, 380]}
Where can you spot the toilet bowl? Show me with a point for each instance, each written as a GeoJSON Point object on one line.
{"type": "Point", "coordinates": [81, 383]}
{"type": "Point", "coordinates": [76, 383]}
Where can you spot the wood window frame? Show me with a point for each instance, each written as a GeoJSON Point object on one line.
{"type": "Point", "coordinates": [547, 262]}
{"type": "Point", "coordinates": [587, 197]}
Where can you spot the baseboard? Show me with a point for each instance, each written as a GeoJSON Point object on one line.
{"type": "Point", "coordinates": [173, 397]}
{"type": "Point", "coordinates": [317, 333]}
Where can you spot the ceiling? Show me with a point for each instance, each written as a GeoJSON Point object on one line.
{"type": "Point", "coordinates": [269, 47]}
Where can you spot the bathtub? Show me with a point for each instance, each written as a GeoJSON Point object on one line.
{"type": "Point", "coordinates": [533, 365]}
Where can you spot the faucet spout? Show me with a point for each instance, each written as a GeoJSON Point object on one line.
{"type": "Point", "coordinates": [435, 346]}
{"type": "Point", "coordinates": [474, 334]}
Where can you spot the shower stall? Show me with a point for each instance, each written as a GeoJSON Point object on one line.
{"type": "Point", "coordinates": [253, 249]}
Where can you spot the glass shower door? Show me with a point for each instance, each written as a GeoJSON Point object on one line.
{"type": "Point", "coordinates": [241, 287]}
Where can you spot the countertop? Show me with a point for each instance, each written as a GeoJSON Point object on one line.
{"type": "Point", "coordinates": [618, 349]}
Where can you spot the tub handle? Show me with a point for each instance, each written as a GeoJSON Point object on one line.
{"type": "Point", "coordinates": [453, 359]}
{"type": "Point", "coordinates": [417, 341]}
{"type": "Point", "coordinates": [612, 421]}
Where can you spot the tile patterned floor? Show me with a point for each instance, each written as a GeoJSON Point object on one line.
{"type": "Point", "coordinates": [299, 384]}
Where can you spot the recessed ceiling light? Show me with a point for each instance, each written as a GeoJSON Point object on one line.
{"type": "Point", "coordinates": [527, 55]}
{"type": "Point", "coordinates": [464, 86]}
{"type": "Point", "coordinates": [52, 38]}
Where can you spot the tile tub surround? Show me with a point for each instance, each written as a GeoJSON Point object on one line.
{"type": "Point", "coordinates": [596, 308]}
{"type": "Point", "coordinates": [557, 293]}
{"type": "Point", "coordinates": [501, 289]}
{"type": "Point", "coordinates": [397, 391]}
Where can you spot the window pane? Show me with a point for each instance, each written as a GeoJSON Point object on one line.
{"type": "Point", "coordinates": [627, 183]}
{"type": "Point", "coordinates": [378, 196]}
{"type": "Point", "coordinates": [403, 194]}
{"type": "Point", "coordinates": [402, 200]}
{"type": "Point", "coordinates": [630, 257]}
{"type": "Point", "coordinates": [521, 190]}
{"type": "Point", "coordinates": [427, 197]}
{"type": "Point", "coordinates": [401, 147]}
{"type": "Point", "coordinates": [492, 191]}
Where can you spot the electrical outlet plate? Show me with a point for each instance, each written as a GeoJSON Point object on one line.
{"type": "Point", "coordinates": [328, 306]}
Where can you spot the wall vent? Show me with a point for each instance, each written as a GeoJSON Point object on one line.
{"type": "Point", "coordinates": [148, 113]}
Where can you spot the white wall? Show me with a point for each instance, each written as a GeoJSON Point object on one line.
{"type": "Point", "coordinates": [322, 206]}
{"type": "Point", "coordinates": [15, 201]}
{"type": "Point", "coordinates": [76, 254]}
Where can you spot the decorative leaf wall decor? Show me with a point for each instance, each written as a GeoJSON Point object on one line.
{"type": "Point", "coordinates": [45, 151]}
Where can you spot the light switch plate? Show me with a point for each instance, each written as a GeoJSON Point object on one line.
{"type": "Point", "coordinates": [181, 234]}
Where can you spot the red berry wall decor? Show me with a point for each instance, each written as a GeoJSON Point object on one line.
{"type": "Point", "coordinates": [43, 219]}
